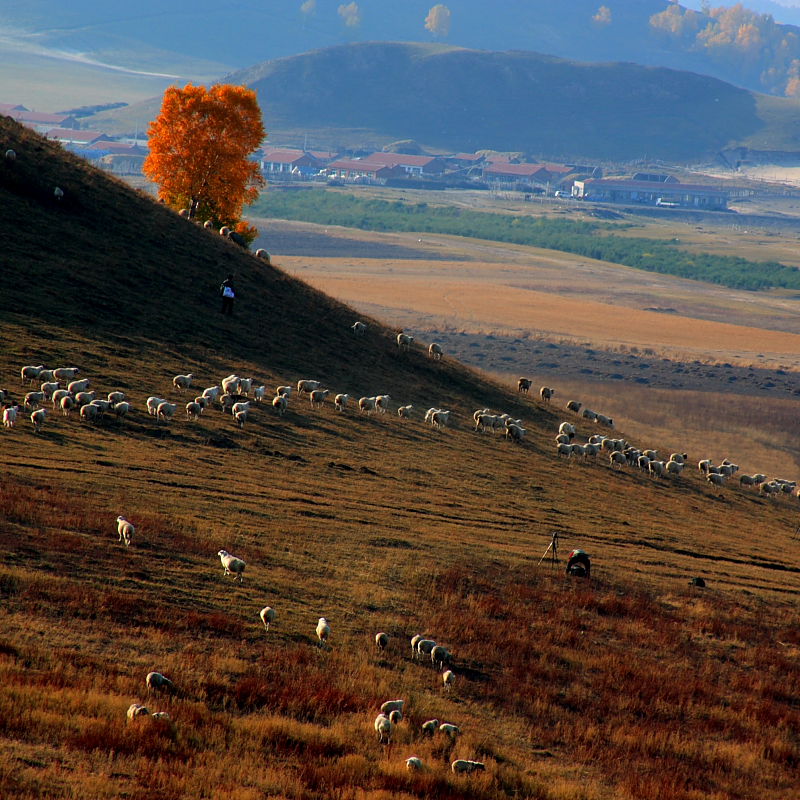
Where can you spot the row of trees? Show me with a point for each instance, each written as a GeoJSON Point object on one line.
{"type": "Point", "coordinates": [752, 44]}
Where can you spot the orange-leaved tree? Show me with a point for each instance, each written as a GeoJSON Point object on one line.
{"type": "Point", "coordinates": [200, 148]}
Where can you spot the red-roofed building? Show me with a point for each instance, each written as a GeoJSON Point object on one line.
{"type": "Point", "coordinates": [362, 170]}
{"type": "Point", "coordinates": [515, 173]}
{"type": "Point", "coordinates": [418, 166]}
{"type": "Point", "coordinates": [42, 122]}
{"type": "Point", "coordinates": [76, 137]}
{"type": "Point", "coordinates": [276, 160]}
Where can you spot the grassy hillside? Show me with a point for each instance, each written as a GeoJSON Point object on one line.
{"type": "Point", "coordinates": [628, 685]}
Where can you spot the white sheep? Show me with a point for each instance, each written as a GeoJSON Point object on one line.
{"type": "Point", "coordinates": [37, 419]}
{"type": "Point", "coordinates": [30, 373]}
{"type": "Point", "coordinates": [121, 409]}
{"type": "Point", "coordinates": [384, 726]}
{"type": "Point", "coordinates": [67, 403]}
{"type": "Point", "coordinates": [279, 403]}
{"type": "Point", "coordinates": [157, 682]}
{"type": "Point", "coordinates": [211, 393]}
{"type": "Point", "coordinates": [9, 416]}
{"type": "Point", "coordinates": [166, 410]}
{"type": "Point", "coordinates": [11, 155]}
{"type": "Point", "coordinates": [440, 656]}
{"type": "Point", "coordinates": [307, 386]}
{"type": "Point", "coordinates": [286, 391]}
{"type": "Point", "coordinates": [392, 705]}
{"type": "Point", "coordinates": [340, 401]}
{"type": "Point", "coordinates": [57, 395]}
{"type": "Point", "coordinates": [546, 393]}
{"type": "Point", "coordinates": [462, 766]}
{"type": "Point", "coordinates": [115, 397]}
{"type": "Point", "coordinates": [574, 406]}
{"type": "Point", "coordinates": [243, 405]}
{"type": "Point", "coordinates": [435, 351]}
{"type": "Point", "coordinates": [317, 397]}
{"type": "Point", "coordinates": [430, 727]}
{"type": "Point", "coordinates": [424, 647]}
{"type": "Point", "coordinates": [414, 640]}
{"type": "Point", "coordinates": [78, 386]}
{"type": "Point", "coordinates": [716, 479]}
{"type": "Point", "coordinates": [381, 640]}
{"type": "Point", "coordinates": [323, 630]}
{"type": "Point", "coordinates": [232, 565]}
{"type": "Point", "coordinates": [65, 373]}
{"type": "Point", "coordinates": [125, 529]}
{"type": "Point", "coordinates": [101, 405]}
{"type": "Point", "coordinates": [602, 419]}
{"type": "Point", "coordinates": [440, 419]}
{"type": "Point", "coordinates": [382, 402]}
{"type": "Point", "coordinates": [225, 231]}
{"type": "Point", "coordinates": [366, 404]}
{"type": "Point", "coordinates": [450, 730]}
{"type": "Point", "coordinates": [240, 417]}
{"type": "Point", "coordinates": [230, 385]}
{"type": "Point", "coordinates": [404, 340]}
{"type": "Point", "coordinates": [208, 224]}
{"type": "Point", "coordinates": [567, 428]}
{"type": "Point", "coordinates": [617, 458]}
{"type": "Point", "coordinates": [404, 412]}
{"type": "Point", "coordinates": [267, 615]}
{"type": "Point", "coordinates": [182, 382]}
{"type": "Point", "coordinates": [564, 449]}
{"type": "Point", "coordinates": [264, 255]}
{"type": "Point", "coordinates": [32, 400]}
{"type": "Point", "coordinates": [358, 328]}
{"type": "Point", "coordinates": [259, 393]}
{"type": "Point", "coordinates": [589, 414]}
{"type": "Point", "coordinates": [516, 433]}
{"type": "Point", "coordinates": [84, 398]}
{"type": "Point", "coordinates": [414, 764]}
{"type": "Point", "coordinates": [245, 385]}
{"type": "Point", "coordinates": [137, 710]}
{"type": "Point", "coordinates": [193, 410]}
{"type": "Point", "coordinates": [48, 388]}
{"type": "Point", "coordinates": [153, 403]}
{"type": "Point", "coordinates": [675, 467]}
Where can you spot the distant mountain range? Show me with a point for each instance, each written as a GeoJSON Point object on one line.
{"type": "Point", "coordinates": [452, 99]}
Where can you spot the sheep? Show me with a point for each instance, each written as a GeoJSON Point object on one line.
{"type": "Point", "coordinates": [307, 386]}
{"type": "Point", "coordinates": [392, 705]}
{"type": "Point", "coordinates": [435, 351]}
{"type": "Point", "coordinates": [429, 414]}
{"type": "Point", "coordinates": [414, 640]}
{"type": "Point", "coordinates": [323, 630]}
{"type": "Point", "coordinates": [279, 403]}
{"type": "Point", "coordinates": [617, 458]}
{"type": "Point", "coordinates": [748, 480]}
{"type": "Point", "coordinates": [564, 450]}
{"type": "Point", "coordinates": [37, 419]}
{"type": "Point", "coordinates": [568, 428]}
{"type": "Point", "coordinates": [243, 405]}
{"type": "Point", "coordinates": [78, 386]}
{"type": "Point", "coordinates": [643, 462]}
{"type": "Point", "coordinates": [67, 404]}
{"type": "Point", "coordinates": [602, 419]}
{"type": "Point", "coordinates": [232, 565]}
{"type": "Point", "coordinates": [704, 465]}
{"type": "Point", "coordinates": [681, 458]}
{"type": "Point", "coordinates": [430, 727]}
{"type": "Point", "coordinates": [486, 421]}
{"type": "Point", "coordinates": [182, 382]}
{"type": "Point", "coordinates": [30, 374]}
{"type": "Point", "coordinates": [404, 412]}
{"type": "Point", "coordinates": [32, 400]}
{"type": "Point", "coordinates": [546, 393]}
{"type": "Point", "coordinates": [157, 682]}
{"type": "Point", "coordinates": [574, 405]}
{"type": "Point", "coordinates": [515, 433]}
{"type": "Point", "coordinates": [656, 469]}
{"type": "Point", "coordinates": [160, 716]}
{"type": "Point", "coordinates": [462, 766]}
{"type": "Point", "coordinates": [384, 726]}
{"type": "Point", "coordinates": [267, 615]}
{"type": "Point", "coordinates": [259, 393]}
{"type": "Point", "coordinates": [208, 224]}
{"type": "Point", "coordinates": [101, 405]}
{"type": "Point", "coordinates": [89, 412]}
{"type": "Point", "coordinates": [47, 389]}
{"type": "Point", "coordinates": [153, 403]}
{"type": "Point", "coordinates": [366, 405]}
{"type": "Point", "coordinates": [240, 417]}
{"type": "Point", "coordinates": [121, 409]}
{"type": "Point", "coordinates": [166, 410]}
{"type": "Point", "coordinates": [424, 647]}
{"type": "Point", "coordinates": [57, 395]}
{"type": "Point", "coordinates": [286, 391]}
{"type": "Point", "coordinates": [211, 393]}
{"type": "Point", "coordinates": [381, 640]}
{"type": "Point", "coordinates": [716, 479]}
{"type": "Point", "coordinates": [440, 656]}
{"type": "Point", "coordinates": [414, 764]}
{"type": "Point", "coordinates": [404, 340]}
{"type": "Point", "coordinates": [449, 730]}
{"type": "Point", "coordinates": [674, 467]}
{"type": "Point", "coordinates": [115, 397]}
{"type": "Point", "coordinates": [193, 410]}
{"type": "Point", "coordinates": [65, 373]}
{"type": "Point", "coordinates": [47, 376]}
{"type": "Point", "coordinates": [245, 386]}
{"type": "Point", "coordinates": [318, 396]}
{"type": "Point", "coordinates": [340, 401]}
{"type": "Point", "coordinates": [137, 710]}
{"type": "Point", "coordinates": [524, 385]}
{"type": "Point", "coordinates": [9, 416]}
{"type": "Point", "coordinates": [58, 193]}
{"type": "Point", "coordinates": [125, 529]}
{"type": "Point", "coordinates": [225, 231]}
{"type": "Point", "coordinates": [264, 255]}
{"type": "Point", "coordinates": [382, 402]}
{"type": "Point", "coordinates": [84, 398]}
{"type": "Point", "coordinates": [587, 413]}
{"type": "Point", "coordinates": [440, 419]}
{"type": "Point", "coordinates": [230, 385]}
{"type": "Point", "coordinates": [769, 487]}
{"type": "Point", "coordinates": [10, 155]}
{"type": "Point", "coordinates": [358, 328]}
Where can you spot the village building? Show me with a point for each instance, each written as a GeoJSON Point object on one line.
{"type": "Point", "coordinates": [287, 162]}
{"type": "Point", "coordinates": [362, 171]}
{"type": "Point", "coordinates": [415, 166]}
{"type": "Point", "coordinates": [657, 193]}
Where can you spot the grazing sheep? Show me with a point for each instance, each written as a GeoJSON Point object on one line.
{"type": "Point", "coordinates": [47, 375]}
{"type": "Point", "coordinates": [166, 410]}
{"type": "Point", "coordinates": [574, 406]}
{"type": "Point", "coordinates": [78, 386]}
{"type": "Point", "coordinates": [11, 155]}
{"type": "Point", "coordinates": [546, 393]}
{"type": "Point", "coordinates": [448, 678]}
{"type": "Point", "coordinates": [414, 640]}
{"type": "Point", "coordinates": [57, 395]}
{"type": "Point", "coordinates": [414, 764]}
{"type": "Point", "coordinates": [230, 385]}
{"type": "Point", "coordinates": [589, 414]}
{"type": "Point", "coordinates": [404, 412]}
{"type": "Point", "coordinates": [715, 478]}
{"type": "Point", "coordinates": [9, 416]}
{"type": "Point", "coordinates": [440, 656]}
{"type": "Point", "coordinates": [749, 480]}
{"type": "Point", "coordinates": [424, 647]}
{"type": "Point", "coordinates": [84, 398]}
{"type": "Point", "coordinates": [286, 391]}
{"type": "Point", "coordinates": [245, 386]}
{"type": "Point", "coordinates": [160, 716]}
{"type": "Point", "coordinates": [462, 766]}
{"type": "Point", "coordinates": [359, 328]}
{"type": "Point", "coordinates": [65, 373]}
{"type": "Point", "coordinates": [67, 404]}
{"type": "Point", "coordinates": [32, 400]}
{"type": "Point", "coordinates": [384, 726]}
{"type": "Point", "coordinates": [382, 403]}
{"type": "Point", "coordinates": [182, 382]}
{"type": "Point", "coordinates": [37, 419]}
{"type": "Point", "coordinates": [193, 410]}
{"type": "Point", "coordinates": [524, 385]}
{"type": "Point", "coordinates": [404, 340]}
{"type": "Point", "coordinates": [451, 731]}
{"type": "Point", "coordinates": [115, 397]}
{"type": "Point", "coordinates": [429, 414]}
{"type": "Point", "coordinates": [264, 255]}
{"type": "Point", "coordinates": [681, 458]}
{"type": "Point", "coordinates": [156, 682]}
{"type": "Point", "coordinates": [675, 467]}
{"type": "Point", "coordinates": [279, 403]}
{"type": "Point", "coordinates": [137, 710]}
{"type": "Point", "coordinates": [516, 433]}
{"type": "Point", "coordinates": [101, 405]}
{"type": "Point", "coordinates": [259, 393]}
{"type": "Point", "coordinates": [366, 404]}
{"type": "Point", "coordinates": [617, 458]}
{"type": "Point", "coordinates": [323, 630]}
{"type": "Point", "coordinates": [240, 417]}
{"type": "Point", "coordinates": [340, 401]}
{"type": "Point", "coordinates": [125, 530]}
{"type": "Point", "coordinates": [307, 386]}
{"type": "Point", "coordinates": [47, 389]}
{"type": "Point", "coordinates": [232, 565]}
{"type": "Point", "coordinates": [381, 640]}
{"type": "Point", "coordinates": [602, 419]}
{"type": "Point", "coordinates": [30, 374]}
{"type": "Point", "coordinates": [121, 409]}
{"type": "Point", "coordinates": [267, 615]}
{"type": "Point", "coordinates": [440, 419]}
{"type": "Point", "coordinates": [704, 465]}
{"type": "Point", "coordinates": [153, 403]}
{"type": "Point", "coordinates": [562, 438]}
{"type": "Point", "coordinates": [242, 405]}
{"type": "Point", "coordinates": [225, 231]}
{"type": "Point", "coordinates": [767, 487]}
{"type": "Point", "coordinates": [435, 351]}
{"type": "Point", "coordinates": [564, 450]}
{"type": "Point", "coordinates": [656, 469]}
{"type": "Point", "coordinates": [430, 727]}
{"type": "Point", "coordinates": [318, 396]}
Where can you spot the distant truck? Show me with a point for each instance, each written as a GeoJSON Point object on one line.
{"type": "Point", "coordinates": [666, 203]}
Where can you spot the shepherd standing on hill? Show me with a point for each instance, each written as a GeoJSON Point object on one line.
{"type": "Point", "coordinates": [228, 294]}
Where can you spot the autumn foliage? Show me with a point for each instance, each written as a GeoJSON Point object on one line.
{"type": "Point", "coordinates": [200, 147]}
